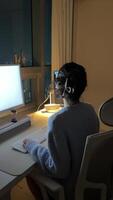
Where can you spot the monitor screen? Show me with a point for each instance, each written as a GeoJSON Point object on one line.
{"type": "Point", "coordinates": [11, 93]}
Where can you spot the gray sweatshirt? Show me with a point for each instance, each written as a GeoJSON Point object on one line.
{"type": "Point", "coordinates": [67, 132]}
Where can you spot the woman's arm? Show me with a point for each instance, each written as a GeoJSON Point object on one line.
{"type": "Point", "coordinates": [55, 160]}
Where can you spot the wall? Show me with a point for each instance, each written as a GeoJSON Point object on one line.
{"type": "Point", "coordinates": [93, 47]}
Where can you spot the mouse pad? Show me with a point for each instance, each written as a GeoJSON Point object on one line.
{"type": "Point", "coordinates": [14, 163]}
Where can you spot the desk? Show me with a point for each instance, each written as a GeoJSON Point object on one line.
{"type": "Point", "coordinates": [15, 165]}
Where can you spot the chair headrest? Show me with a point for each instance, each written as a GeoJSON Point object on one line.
{"type": "Point", "coordinates": [106, 112]}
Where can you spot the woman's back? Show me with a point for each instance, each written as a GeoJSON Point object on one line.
{"type": "Point", "coordinates": [74, 123]}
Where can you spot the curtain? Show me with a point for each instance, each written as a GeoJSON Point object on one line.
{"type": "Point", "coordinates": [62, 25]}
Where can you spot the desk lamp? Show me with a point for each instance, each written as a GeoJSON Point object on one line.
{"type": "Point", "coordinates": [50, 107]}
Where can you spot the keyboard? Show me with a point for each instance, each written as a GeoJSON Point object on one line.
{"type": "Point", "coordinates": [18, 146]}
{"type": "Point", "coordinates": [40, 138]}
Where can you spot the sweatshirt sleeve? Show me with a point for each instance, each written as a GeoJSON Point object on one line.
{"type": "Point", "coordinates": [54, 160]}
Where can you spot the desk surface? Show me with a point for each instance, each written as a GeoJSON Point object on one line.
{"type": "Point", "coordinates": [16, 163]}
{"type": "Point", "coordinates": [5, 179]}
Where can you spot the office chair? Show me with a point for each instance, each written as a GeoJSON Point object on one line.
{"type": "Point", "coordinates": [106, 112]}
{"type": "Point", "coordinates": [95, 176]}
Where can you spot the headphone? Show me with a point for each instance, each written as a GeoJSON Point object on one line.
{"type": "Point", "coordinates": [68, 89]}
{"type": "Point", "coordinates": [62, 85]}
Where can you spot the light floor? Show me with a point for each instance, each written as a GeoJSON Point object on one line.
{"type": "Point", "coordinates": [21, 192]}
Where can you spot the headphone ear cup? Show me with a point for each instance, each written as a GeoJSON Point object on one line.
{"type": "Point", "coordinates": [70, 90]}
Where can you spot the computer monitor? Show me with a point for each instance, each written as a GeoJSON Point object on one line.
{"type": "Point", "coordinates": [11, 93]}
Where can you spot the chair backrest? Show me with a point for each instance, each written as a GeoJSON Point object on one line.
{"type": "Point", "coordinates": [106, 112]}
{"type": "Point", "coordinates": [97, 161]}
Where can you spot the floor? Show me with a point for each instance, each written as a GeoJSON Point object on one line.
{"type": "Point", "coordinates": [21, 192]}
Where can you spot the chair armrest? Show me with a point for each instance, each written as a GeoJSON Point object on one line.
{"type": "Point", "coordinates": [47, 183]}
{"type": "Point", "coordinates": [85, 185]}
{"type": "Point", "coordinates": [95, 185]}
{"type": "Point", "coordinates": [100, 186]}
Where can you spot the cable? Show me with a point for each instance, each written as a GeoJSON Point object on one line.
{"type": "Point", "coordinates": [43, 102]}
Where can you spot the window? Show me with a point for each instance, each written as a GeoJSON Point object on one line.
{"type": "Point", "coordinates": [25, 38]}
{"type": "Point", "coordinates": [27, 89]}
{"type": "Point", "coordinates": [15, 32]}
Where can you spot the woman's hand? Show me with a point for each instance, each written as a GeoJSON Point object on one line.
{"type": "Point", "coordinates": [26, 142]}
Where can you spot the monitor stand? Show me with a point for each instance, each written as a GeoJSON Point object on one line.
{"type": "Point", "coordinates": [12, 128]}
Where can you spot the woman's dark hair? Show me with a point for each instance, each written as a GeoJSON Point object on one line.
{"type": "Point", "coordinates": [72, 81]}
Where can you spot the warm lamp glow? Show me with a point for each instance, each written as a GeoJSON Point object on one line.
{"type": "Point", "coordinates": [52, 107]}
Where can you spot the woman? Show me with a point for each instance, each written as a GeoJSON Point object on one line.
{"type": "Point", "coordinates": [67, 131]}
